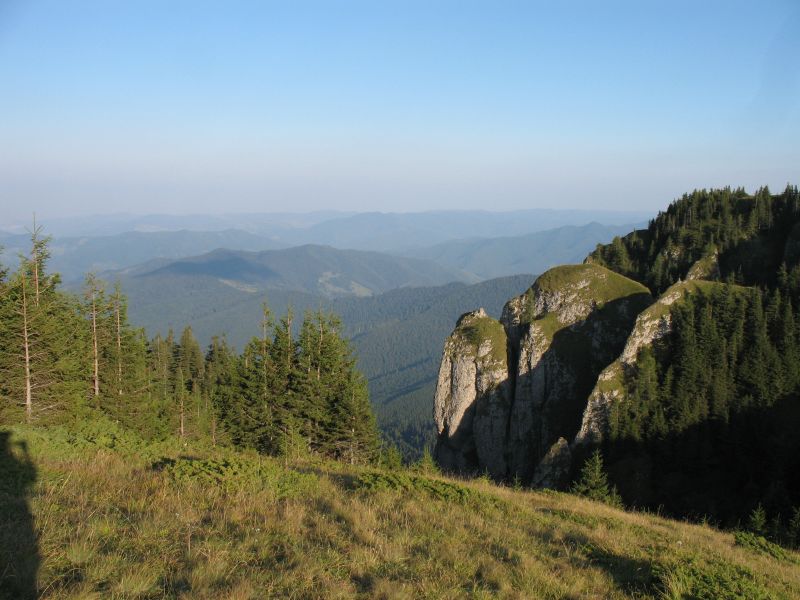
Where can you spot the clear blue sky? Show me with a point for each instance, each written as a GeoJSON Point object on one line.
{"type": "Point", "coordinates": [170, 106]}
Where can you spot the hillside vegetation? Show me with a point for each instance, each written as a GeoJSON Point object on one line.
{"type": "Point", "coordinates": [711, 410]}
{"type": "Point", "coordinates": [92, 511]}
{"type": "Point", "coordinates": [694, 400]}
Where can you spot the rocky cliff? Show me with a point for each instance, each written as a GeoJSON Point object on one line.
{"type": "Point", "coordinates": [473, 397]}
{"type": "Point", "coordinates": [511, 394]}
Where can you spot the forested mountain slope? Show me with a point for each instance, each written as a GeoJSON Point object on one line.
{"type": "Point", "coordinates": [397, 336]}
{"type": "Point", "coordinates": [311, 269]}
{"type": "Point", "coordinates": [697, 405]}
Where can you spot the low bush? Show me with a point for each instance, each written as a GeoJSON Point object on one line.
{"type": "Point", "coordinates": [398, 481]}
{"type": "Point", "coordinates": [233, 471]}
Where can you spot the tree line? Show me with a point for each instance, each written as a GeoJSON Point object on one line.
{"type": "Point", "coordinates": [708, 425]}
{"type": "Point", "coordinates": [65, 356]}
{"type": "Point", "coordinates": [749, 233]}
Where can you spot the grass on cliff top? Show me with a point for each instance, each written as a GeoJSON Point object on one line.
{"type": "Point", "coordinates": [476, 330]}
{"type": "Point", "coordinates": [598, 284]}
{"type": "Point", "coordinates": [604, 284]}
{"type": "Point", "coordinates": [112, 521]}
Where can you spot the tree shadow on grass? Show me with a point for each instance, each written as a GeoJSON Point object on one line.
{"type": "Point", "coordinates": [19, 550]}
{"type": "Point", "coordinates": [633, 576]}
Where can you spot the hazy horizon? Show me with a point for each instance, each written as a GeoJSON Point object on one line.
{"type": "Point", "coordinates": [200, 108]}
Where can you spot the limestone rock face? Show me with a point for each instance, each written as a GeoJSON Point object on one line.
{"type": "Point", "coordinates": [471, 404]}
{"type": "Point", "coordinates": [559, 335]}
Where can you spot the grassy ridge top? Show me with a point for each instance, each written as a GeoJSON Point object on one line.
{"type": "Point", "coordinates": [118, 518]}
{"type": "Point", "coordinates": [587, 282]}
{"type": "Point", "coordinates": [603, 283]}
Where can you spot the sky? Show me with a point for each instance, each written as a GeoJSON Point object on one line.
{"type": "Point", "coordinates": [211, 107]}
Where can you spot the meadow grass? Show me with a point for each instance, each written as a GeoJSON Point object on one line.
{"type": "Point", "coordinates": [196, 522]}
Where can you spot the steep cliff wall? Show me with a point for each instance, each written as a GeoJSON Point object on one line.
{"type": "Point", "coordinates": [512, 414]}
{"type": "Point", "coordinates": [473, 397]}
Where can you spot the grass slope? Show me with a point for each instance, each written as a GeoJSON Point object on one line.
{"type": "Point", "coordinates": [116, 518]}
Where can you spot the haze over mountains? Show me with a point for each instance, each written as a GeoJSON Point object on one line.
{"type": "Point", "coordinates": [355, 230]}
{"type": "Point", "coordinates": [105, 243]}
{"type": "Point", "coordinates": [530, 253]}
{"type": "Point", "coordinates": [398, 281]}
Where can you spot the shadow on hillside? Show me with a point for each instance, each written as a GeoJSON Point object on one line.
{"type": "Point", "coordinates": [633, 576]}
{"type": "Point", "coordinates": [567, 372]}
{"type": "Point", "coordinates": [715, 470]}
{"type": "Point", "coordinates": [19, 551]}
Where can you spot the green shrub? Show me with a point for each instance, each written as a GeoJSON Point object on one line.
{"type": "Point", "coordinates": [235, 471]}
{"type": "Point", "coordinates": [710, 581]}
{"type": "Point", "coordinates": [406, 482]}
{"type": "Point", "coordinates": [760, 544]}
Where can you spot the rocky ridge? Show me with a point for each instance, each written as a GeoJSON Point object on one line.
{"type": "Point", "coordinates": [508, 400]}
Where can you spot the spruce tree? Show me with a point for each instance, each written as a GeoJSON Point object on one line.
{"type": "Point", "coordinates": [220, 388]}
{"type": "Point", "coordinates": [42, 363]}
{"type": "Point", "coordinates": [593, 482]}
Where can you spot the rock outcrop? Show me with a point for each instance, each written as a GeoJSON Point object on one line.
{"type": "Point", "coordinates": [513, 413]}
{"type": "Point", "coordinates": [472, 397]}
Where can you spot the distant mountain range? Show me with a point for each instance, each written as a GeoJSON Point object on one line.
{"type": "Point", "coordinates": [361, 231]}
{"type": "Point", "coordinates": [449, 238]}
{"type": "Point", "coordinates": [531, 253]}
{"type": "Point", "coordinates": [73, 257]}
{"type": "Point", "coordinates": [311, 269]}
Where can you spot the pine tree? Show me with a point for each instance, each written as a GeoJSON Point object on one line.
{"type": "Point", "coordinates": [220, 385]}
{"type": "Point", "coordinates": [593, 482]}
{"type": "Point", "coordinates": [794, 528]}
{"type": "Point", "coordinates": [189, 365]}
{"type": "Point", "coordinates": [41, 358]}
{"type": "Point", "coordinates": [391, 459]}
{"type": "Point", "coordinates": [426, 465]}
{"type": "Point", "coordinates": [757, 523]}
{"type": "Point", "coordinates": [95, 307]}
